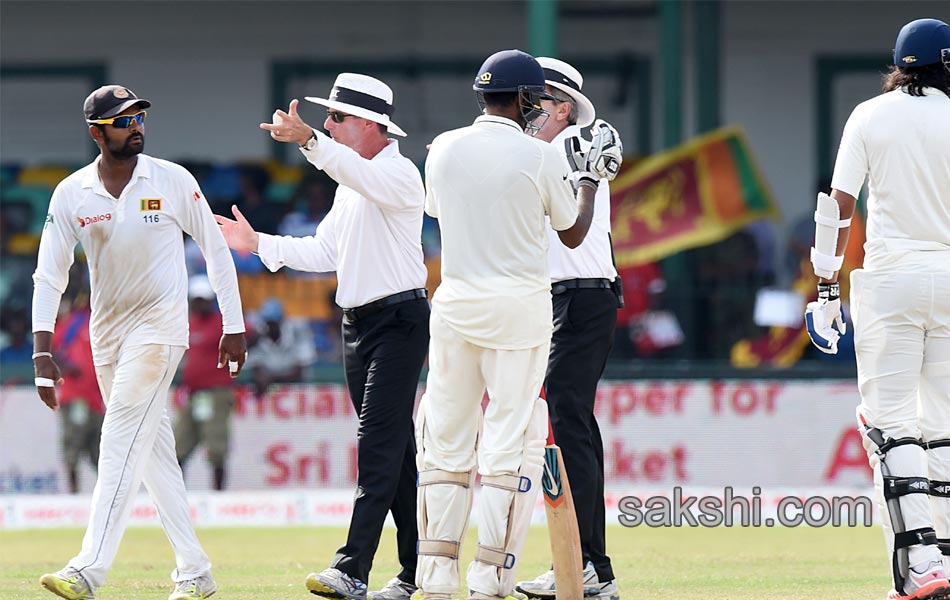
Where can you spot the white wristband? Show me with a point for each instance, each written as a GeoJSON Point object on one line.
{"type": "Point", "coordinates": [39, 354]}
{"type": "Point", "coordinates": [233, 366]}
{"type": "Point", "coordinates": [43, 382]}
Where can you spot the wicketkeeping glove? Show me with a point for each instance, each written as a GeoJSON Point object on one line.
{"type": "Point", "coordinates": [824, 320]}
{"type": "Point", "coordinates": [577, 159]}
{"type": "Point", "coordinates": [606, 151]}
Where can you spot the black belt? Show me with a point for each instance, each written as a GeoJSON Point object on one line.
{"type": "Point", "coordinates": [361, 312]}
{"type": "Point", "coordinates": [576, 284]}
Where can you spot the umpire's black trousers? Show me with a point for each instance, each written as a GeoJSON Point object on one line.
{"type": "Point", "coordinates": [584, 321]}
{"type": "Point", "coordinates": [383, 356]}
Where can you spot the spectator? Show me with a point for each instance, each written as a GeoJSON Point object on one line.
{"type": "Point", "coordinates": [327, 338]}
{"type": "Point", "coordinates": [281, 351]}
{"type": "Point", "coordinates": [19, 347]}
{"type": "Point", "coordinates": [726, 284]}
{"type": "Point", "coordinates": [207, 415]}
{"type": "Point", "coordinates": [262, 215]}
{"type": "Point", "coordinates": [82, 407]}
{"type": "Point", "coordinates": [312, 201]}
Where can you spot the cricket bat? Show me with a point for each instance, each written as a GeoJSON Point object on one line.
{"type": "Point", "coordinates": [562, 527]}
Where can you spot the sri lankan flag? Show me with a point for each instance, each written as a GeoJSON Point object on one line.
{"type": "Point", "coordinates": [693, 195]}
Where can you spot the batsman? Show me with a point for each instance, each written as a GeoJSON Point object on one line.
{"type": "Point", "coordinates": [900, 300]}
{"type": "Point", "coordinates": [491, 186]}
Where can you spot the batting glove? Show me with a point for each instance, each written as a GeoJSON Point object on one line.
{"type": "Point", "coordinates": [824, 320]}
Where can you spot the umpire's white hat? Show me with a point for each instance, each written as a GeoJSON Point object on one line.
{"type": "Point", "coordinates": [558, 74]}
{"type": "Point", "coordinates": [361, 96]}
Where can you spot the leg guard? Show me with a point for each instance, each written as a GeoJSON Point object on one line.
{"type": "Point", "coordinates": [505, 507]}
{"type": "Point", "coordinates": [443, 507]}
{"type": "Point", "coordinates": [938, 455]}
{"type": "Point", "coordinates": [899, 477]}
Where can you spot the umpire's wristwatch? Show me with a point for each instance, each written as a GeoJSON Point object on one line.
{"type": "Point", "coordinates": [311, 143]}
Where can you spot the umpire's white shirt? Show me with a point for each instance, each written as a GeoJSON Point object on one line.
{"type": "Point", "coordinates": [592, 259]}
{"type": "Point", "coordinates": [490, 186]}
{"type": "Point", "coordinates": [136, 258]}
{"type": "Point", "coordinates": [372, 237]}
{"type": "Point", "coordinates": [903, 143]}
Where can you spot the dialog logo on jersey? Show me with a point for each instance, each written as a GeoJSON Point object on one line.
{"type": "Point", "coordinates": [83, 221]}
{"type": "Point", "coordinates": [150, 204]}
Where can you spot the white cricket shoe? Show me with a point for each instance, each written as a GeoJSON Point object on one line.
{"type": "Point", "coordinates": [334, 583]}
{"type": "Point", "coordinates": [396, 589]}
{"type": "Point", "coordinates": [927, 583]}
{"type": "Point", "coordinates": [68, 583]}
{"type": "Point", "coordinates": [542, 586]}
{"type": "Point", "coordinates": [194, 589]}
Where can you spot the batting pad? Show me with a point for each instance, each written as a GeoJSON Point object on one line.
{"type": "Point", "coordinates": [901, 487]}
{"type": "Point", "coordinates": [442, 509]}
{"type": "Point", "coordinates": [505, 506]}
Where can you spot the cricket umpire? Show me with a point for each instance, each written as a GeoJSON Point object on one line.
{"type": "Point", "coordinates": [372, 239]}
{"type": "Point", "coordinates": [900, 142]}
{"type": "Point", "coordinates": [585, 312]}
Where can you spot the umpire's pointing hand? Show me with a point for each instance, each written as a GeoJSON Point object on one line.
{"type": "Point", "coordinates": [238, 233]}
{"type": "Point", "coordinates": [288, 127]}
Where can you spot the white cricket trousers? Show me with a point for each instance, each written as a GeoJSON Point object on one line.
{"type": "Point", "coordinates": [902, 342]}
{"type": "Point", "coordinates": [451, 413]}
{"type": "Point", "coordinates": [137, 446]}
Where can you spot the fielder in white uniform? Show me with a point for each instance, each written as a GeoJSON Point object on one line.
{"type": "Point", "coordinates": [900, 300]}
{"type": "Point", "coordinates": [129, 211]}
{"type": "Point", "coordinates": [490, 186]}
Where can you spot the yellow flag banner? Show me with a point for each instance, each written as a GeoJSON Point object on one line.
{"type": "Point", "coordinates": [690, 196]}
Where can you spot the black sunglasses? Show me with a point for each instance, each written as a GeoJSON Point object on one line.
{"type": "Point", "coordinates": [337, 117]}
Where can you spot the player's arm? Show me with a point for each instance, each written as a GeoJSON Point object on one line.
{"type": "Point", "coordinates": [49, 281]}
{"type": "Point", "coordinates": [845, 204]}
{"type": "Point", "coordinates": [573, 236]}
{"type": "Point", "coordinates": [824, 320]}
{"type": "Point", "coordinates": [198, 221]}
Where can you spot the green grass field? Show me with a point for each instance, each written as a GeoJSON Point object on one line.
{"type": "Point", "coordinates": [682, 563]}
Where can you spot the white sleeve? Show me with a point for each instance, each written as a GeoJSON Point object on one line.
{"type": "Point", "coordinates": [196, 220]}
{"type": "Point", "coordinates": [315, 254]}
{"type": "Point", "coordinates": [432, 208]}
{"type": "Point", "coordinates": [557, 191]}
{"type": "Point", "coordinates": [390, 183]}
{"type": "Point", "coordinates": [57, 244]}
{"type": "Point", "coordinates": [851, 166]}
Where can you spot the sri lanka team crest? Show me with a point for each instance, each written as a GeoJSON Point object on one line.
{"type": "Point", "coordinates": [151, 204]}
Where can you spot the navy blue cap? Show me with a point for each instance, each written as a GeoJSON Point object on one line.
{"type": "Point", "coordinates": [921, 43]}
